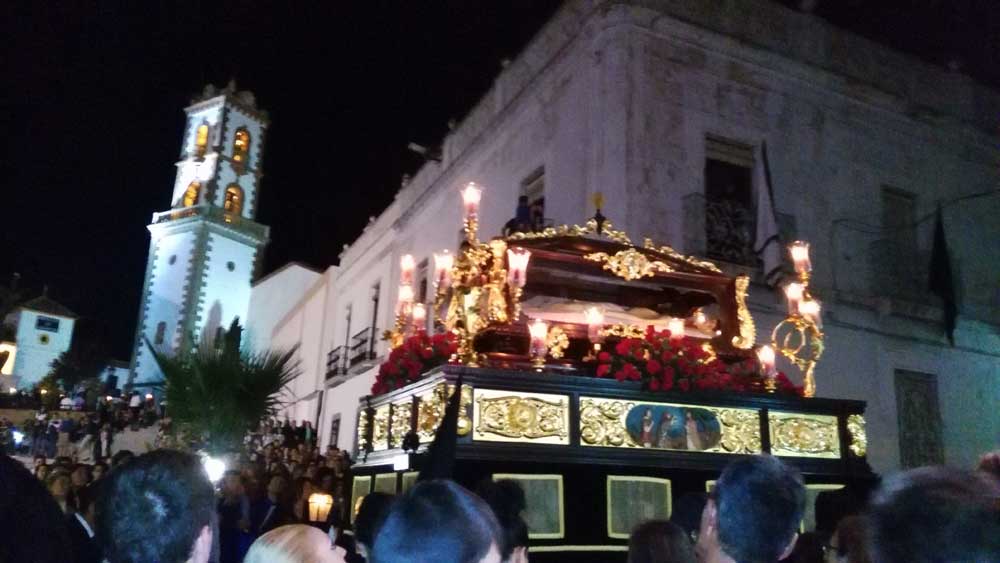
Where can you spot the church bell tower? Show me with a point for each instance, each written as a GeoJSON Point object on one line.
{"type": "Point", "coordinates": [203, 250]}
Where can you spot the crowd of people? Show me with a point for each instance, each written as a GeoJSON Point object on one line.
{"type": "Point", "coordinates": [161, 507]}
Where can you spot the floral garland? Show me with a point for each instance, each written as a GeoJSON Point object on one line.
{"type": "Point", "coordinates": [417, 355]}
{"type": "Point", "coordinates": [684, 365]}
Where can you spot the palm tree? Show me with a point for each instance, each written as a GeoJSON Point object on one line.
{"type": "Point", "coordinates": [216, 393]}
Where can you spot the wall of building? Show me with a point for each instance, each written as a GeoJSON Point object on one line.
{"type": "Point", "coordinates": [37, 348]}
{"type": "Point", "coordinates": [272, 298]}
{"type": "Point", "coordinates": [225, 285]}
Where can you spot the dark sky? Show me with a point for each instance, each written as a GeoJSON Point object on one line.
{"type": "Point", "coordinates": [91, 101]}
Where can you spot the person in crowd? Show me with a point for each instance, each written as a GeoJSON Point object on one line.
{"type": "Point", "coordinates": [849, 543]}
{"type": "Point", "coordinates": [42, 471]}
{"type": "Point", "coordinates": [134, 405]}
{"type": "Point", "coordinates": [121, 457]}
{"type": "Point", "coordinates": [100, 470]}
{"type": "Point", "coordinates": [462, 526]}
{"type": "Point", "coordinates": [936, 515]}
{"type": "Point", "coordinates": [81, 476]}
{"type": "Point", "coordinates": [372, 512]}
{"type": "Point", "coordinates": [106, 438]}
{"type": "Point", "coordinates": [660, 541]}
{"type": "Point", "coordinates": [809, 548]}
{"type": "Point", "coordinates": [61, 487]}
{"type": "Point", "coordinates": [989, 464]}
{"type": "Point", "coordinates": [34, 529]}
{"type": "Point", "coordinates": [234, 518]}
{"type": "Point", "coordinates": [302, 489]}
{"type": "Point", "coordinates": [506, 498]}
{"type": "Point", "coordinates": [296, 543]}
{"type": "Point", "coordinates": [159, 507]}
{"type": "Point", "coordinates": [81, 528]}
{"type": "Point", "coordinates": [686, 513]}
{"type": "Point", "coordinates": [279, 505]}
{"type": "Point", "coordinates": [753, 512]}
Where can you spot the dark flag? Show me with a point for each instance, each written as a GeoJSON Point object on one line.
{"type": "Point", "coordinates": [767, 240]}
{"type": "Point", "coordinates": [440, 462]}
{"type": "Point", "coordinates": [941, 283]}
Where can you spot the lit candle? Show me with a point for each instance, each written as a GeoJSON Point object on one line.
{"type": "Point", "coordinates": [766, 356]}
{"type": "Point", "coordinates": [800, 256]}
{"type": "Point", "coordinates": [442, 270]}
{"type": "Point", "coordinates": [810, 309]}
{"type": "Point", "coordinates": [595, 322]}
{"type": "Point", "coordinates": [676, 328]}
{"type": "Point", "coordinates": [539, 331]}
{"type": "Point", "coordinates": [319, 507]}
{"type": "Point", "coordinates": [794, 292]}
{"type": "Point", "coordinates": [405, 294]}
{"type": "Point", "coordinates": [471, 195]}
{"type": "Point", "coordinates": [406, 267]}
{"type": "Point", "coordinates": [419, 316]}
{"type": "Point", "coordinates": [149, 396]}
{"type": "Point", "coordinates": [517, 271]}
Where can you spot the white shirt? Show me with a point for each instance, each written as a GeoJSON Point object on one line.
{"type": "Point", "coordinates": [135, 401]}
{"type": "Point", "coordinates": [86, 526]}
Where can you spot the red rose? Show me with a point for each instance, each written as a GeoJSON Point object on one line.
{"type": "Point", "coordinates": [667, 356]}
{"type": "Point", "coordinates": [622, 348]}
{"type": "Point", "coordinates": [668, 381]}
{"type": "Point", "coordinates": [632, 372]}
{"type": "Point", "coordinates": [604, 357]}
{"type": "Point", "coordinates": [426, 353]}
{"type": "Point", "coordinates": [684, 385]}
{"type": "Point", "coordinates": [653, 367]}
{"type": "Point", "coordinates": [654, 384]}
{"type": "Point", "coordinates": [603, 369]}
{"type": "Point", "coordinates": [620, 375]}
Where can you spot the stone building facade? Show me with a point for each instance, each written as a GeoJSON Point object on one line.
{"type": "Point", "coordinates": [663, 107]}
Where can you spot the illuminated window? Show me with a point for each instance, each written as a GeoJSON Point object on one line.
{"type": "Point", "coordinates": [234, 199]}
{"type": "Point", "coordinates": [241, 146]}
{"type": "Point", "coordinates": [161, 331]}
{"type": "Point", "coordinates": [192, 193]}
{"type": "Point", "coordinates": [201, 140]}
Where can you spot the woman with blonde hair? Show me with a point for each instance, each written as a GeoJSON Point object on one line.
{"type": "Point", "coordinates": [295, 543]}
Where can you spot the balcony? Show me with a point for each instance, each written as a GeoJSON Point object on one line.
{"type": "Point", "coordinates": [360, 349]}
{"type": "Point", "coordinates": [217, 214]}
{"type": "Point", "coordinates": [720, 230]}
{"type": "Point", "coordinates": [335, 362]}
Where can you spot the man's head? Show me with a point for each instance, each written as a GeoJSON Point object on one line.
{"type": "Point", "coordinates": [936, 514]}
{"type": "Point", "coordinates": [753, 514]}
{"type": "Point", "coordinates": [506, 498]}
{"type": "Point", "coordinates": [157, 507]}
{"type": "Point", "coordinates": [232, 482]}
{"type": "Point", "coordinates": [438, 522]}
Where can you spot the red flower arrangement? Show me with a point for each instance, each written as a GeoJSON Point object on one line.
{"type": "Point", "coordinates": [665, 365]}
{"type": "Point", "coordinates": [414, 357]}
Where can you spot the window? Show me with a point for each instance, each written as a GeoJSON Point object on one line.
{"type": "Point", "coordinates": [47, 324]}
{"type": "Point", "coordinates": [241, 147]}
{"type": "Point", "coordinates": [230, 266]}
{"type": "Point", "coordinates": [161, 331]}
{"type": "Point", "coordinates": [729, 219]}
{"type": "Point", "coordinates": [334, 430]}
{"type": "Point", "coordinates": [191, 194]}
{"type": "Point", "coordinates": [533, 188]}
{"type": "Point", "coordinates": [898, 268]}
{"type": "Point", "coordinates": [422, 282]}
{"type": "Point", "coordinates": [919, 419]}
{"type": "Point", "coordinates": [234, 200]}
{"type": "Point", "coordinates": [376, 293]}
{"type": "Point", "coordinates": [201, 140]}
{"type": "Point", "coordinates": [172, 260]}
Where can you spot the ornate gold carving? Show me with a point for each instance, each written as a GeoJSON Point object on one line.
{"type": "Point", "coordinates": [431, 407]}
{"type": "Point", "coordinates": [401, 418]}
{"type": "Point", "coordinates": [557, 342]}
{"type": "Point", "coordinates": [805, 435]}
{"type": "Point", "coordinates": [629, 264]}
{"type": "Point", "coordinates": [859, 435]}
{"type": "Point", "coordinates": [362, 433]}
{"type": "Point", "coordinates": [603, 423]}
{"type": "Point", "coordinates": [801, 341]}
{"type": "Point", "coordinates": [496, 300]}
{"type": "Point", "coordinates": [380, 428]}
{"type": "Point", "coordinates": [748, 332]}
{"type": "Point", "coordinates": [530, 417]}
{"type": "Point", "coordinates": [590, 228]}
{"type": "Point", "coordinates": [623, 331]}
{"type": "Point", "coordinates": [690, 260]}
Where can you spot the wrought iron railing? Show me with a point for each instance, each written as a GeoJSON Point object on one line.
{"type": "Point", "coordinates": [335, 361]}
{"type": "Point", "coordinates": [899, 270]}
{"type": "Point", "coordinates": [235, 220]}
{"type": "Point", "coordinates": [360, 349]}
{"type": "Point", "coordinates": [719, 229]}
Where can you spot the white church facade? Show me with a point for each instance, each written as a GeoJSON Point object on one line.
{"type": "Point", "coordinates": [43, 330]}
{"type": "Point", "coordinates": [204, 248]}
{"type": "Point", "coordinates": [664, 108]}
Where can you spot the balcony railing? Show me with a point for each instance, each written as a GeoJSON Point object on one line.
{"type": "Point", "coordinates": [335, 361]}
{"type": "Point", "coordinates": [360, 347]}
{"type": "Point", "coordinates": [234, 220]}
{"type": "Point", "coordinates": [899, 270]}
{"type": "Point", "coordinates": [719, 230]}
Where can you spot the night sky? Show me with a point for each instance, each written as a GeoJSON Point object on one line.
{"type": "Point", "coordinates": [92, 98]}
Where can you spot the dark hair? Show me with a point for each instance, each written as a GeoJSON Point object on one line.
{"type": "Point", "coordinates": [759, 502]}
{"type": "Point", "coordinates": [506, 498]}
{"type": "Point", "coordinates": [120, 457]}
{"type": "Point", "coordinates": [371, 514]}
{"type": "Point", "coordinates": [436, 522]}
{"type": "Point", "coordinates": [659, 541]}
{"type": "Point", "coordinates": [85, 497]}
{"type": "Point", "coordinates": [30, 518]}
{"type": "Point", "coordinates": [153, 508]}
{"type": "Point", "coordinates": [687, 511]}
{"type": "Point", "coordinates": [936, 514]}
{"type": "Point", "coordinates": [808, 549]}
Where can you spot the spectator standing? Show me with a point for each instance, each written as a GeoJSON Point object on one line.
{"type": "Point", "coordinates": [81, 528]}
{"type": "Point", "coordinates": [295, 544]}
{"type": "Point", "coordinates": [659, 541]}
{"type": "Point", "coordinates": [234, 519]}
{"type": "Point", "coordinates": [34, 530]}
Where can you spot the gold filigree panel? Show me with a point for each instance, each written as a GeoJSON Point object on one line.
{"type": "Point", "coordinates": [668, 426]}
{"type": "Point", "coordinates": [804, 435]}
{"type": "Point", "coordinates": [630, 264]}
{"type": "Point", "coordinates": [859, 435]}
{"type": "Point", "coordinates": [402, 414]}
{"type": "Point", "coordinates": [748, 332]}
{"type": "Point", "coordinates": [380, 429]}
{"type": "Point", "coordinates": [362, 432]}
{"type": "Point", "coordinates": [509, 416]}
{"type": "Point", "coordinates": [430, 410]}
